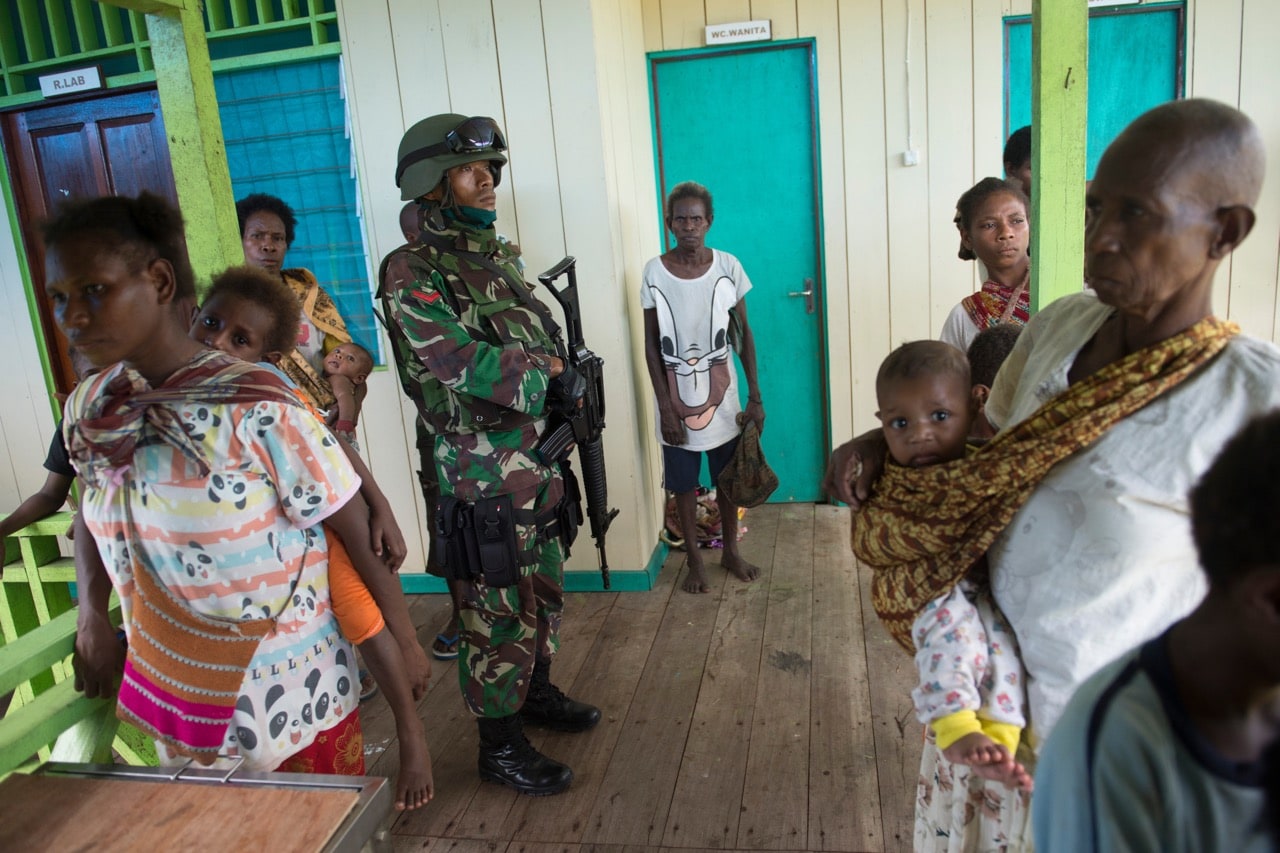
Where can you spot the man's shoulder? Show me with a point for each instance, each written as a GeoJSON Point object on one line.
{"type": "Point", "coordinates": [1255, 354]}
{"type": "Point", "coordinates": [1245, 377]}
{"type": "Point", "coordinates": [415, 267]}
{"type": "Point", "coordinates": [1073, 306]}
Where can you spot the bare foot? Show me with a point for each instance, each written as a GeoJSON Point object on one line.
{"type": "Point", "coordinates": [989, 760]}
{"type": "Point", "coordinates": [695, 578]}
{"type": "Point", "coordinates": [741, 569]}
{"type": "Point", "coordinates": [415, 785]}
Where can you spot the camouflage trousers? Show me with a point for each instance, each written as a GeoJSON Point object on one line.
{"type": "Point", "coordinates": [505, 630]}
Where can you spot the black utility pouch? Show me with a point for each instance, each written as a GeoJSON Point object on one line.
{"type": "Point", "coordinates": [495, 541]}
{"type": "Point", "coordinates": [450, 520]}
{"type": "Point", "coordinates": [569, 510]}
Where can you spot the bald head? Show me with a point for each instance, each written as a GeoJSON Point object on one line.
{"type": "Point", "coordinates": [409, 221]}
{"type": "Point", "coordinates": [1216, 149]}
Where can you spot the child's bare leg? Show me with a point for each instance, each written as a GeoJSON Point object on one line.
{"type": "Point", "coordinates": [415, 785]}
{"type": "Point", "coordinates": [732, 560]}
{"type": "Point", "coordinates": [695, 579]}
{"type": "Point", "coordinates": [989, 759]}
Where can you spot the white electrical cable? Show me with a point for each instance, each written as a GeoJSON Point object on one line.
{"type": "Point", "coordinates": [910, 146]}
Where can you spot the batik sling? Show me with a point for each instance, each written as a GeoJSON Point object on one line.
{"type": "Point", "coordinates": [323, 313]}
{"type": "Point", "coordinates": [924, 528]}
{"type": "Point", "coordinates": [183, 670]}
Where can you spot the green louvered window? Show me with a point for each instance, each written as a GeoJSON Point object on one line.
{"type": "Point", "coordinates": [277, 76]}
{"type": "Point", "coordinates": [43, 36]}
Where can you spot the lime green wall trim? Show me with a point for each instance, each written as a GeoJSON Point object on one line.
{"type": "Point", "coordinates": [184, 79]}
{"type": "Point", "coordinates": [1059, 100]}
{"type": "Point", "coordinates": [24, 271]}
{"type": "Point", "coordinates": [580, 581]}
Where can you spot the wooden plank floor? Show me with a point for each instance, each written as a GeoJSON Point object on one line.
{"type": "Point", "coordinates": [769, 716]}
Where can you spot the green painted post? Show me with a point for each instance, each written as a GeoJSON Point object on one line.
{"type": "Point", "coordinates": [184, 79]}
{"type": "Point", "coordinates": [1059, 102]}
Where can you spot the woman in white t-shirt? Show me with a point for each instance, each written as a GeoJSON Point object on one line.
{"type": "Point", "coordinates": [692, 296]}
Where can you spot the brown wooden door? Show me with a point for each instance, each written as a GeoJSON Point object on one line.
{"type": "Point", "coordinates": [113, 144]}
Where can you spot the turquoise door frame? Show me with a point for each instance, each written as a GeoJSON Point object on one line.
{"type": "Point", "coordinates": [743, 122]}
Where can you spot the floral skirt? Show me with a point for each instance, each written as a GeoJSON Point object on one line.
{"type": "Point", "coordinates": [960, 812]}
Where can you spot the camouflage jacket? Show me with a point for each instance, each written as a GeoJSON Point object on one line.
{"type": "Point", "coordinates": [476, 357]}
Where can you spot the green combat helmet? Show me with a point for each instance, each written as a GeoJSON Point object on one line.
{"type": "Point", "coordinates": [435, 145]}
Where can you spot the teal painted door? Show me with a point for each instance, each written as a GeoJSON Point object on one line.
{"type": "Point", "coordinates": [743, 123]}
{"type": "Point", "coordinates": [1135, 63]}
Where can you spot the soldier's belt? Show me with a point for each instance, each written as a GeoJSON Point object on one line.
{"type": "Point", "coordinates": [477, 541]}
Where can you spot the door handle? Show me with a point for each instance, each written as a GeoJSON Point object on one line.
{"type": "Point", "coordinates": [807, 293]}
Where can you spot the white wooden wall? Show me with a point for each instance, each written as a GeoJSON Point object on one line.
{"type": "Point", "coordinates": [892, 270]}
{"type": "Point", "coordinates": [26, 417]}
{"type": "Point", "coordinates": [567, 79]}
{"type": "Point", "coordinates": [533, 68]}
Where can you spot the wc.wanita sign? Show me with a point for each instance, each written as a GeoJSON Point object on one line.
{"type": "Point", "coordinates": [739, 32]}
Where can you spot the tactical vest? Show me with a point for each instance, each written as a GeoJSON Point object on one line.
{"type": "Point", "coordinates": [514, 318]}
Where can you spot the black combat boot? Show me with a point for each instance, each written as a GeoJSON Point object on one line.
{"type": "Point", "coordinates": [545, 705]}
{"type": "Point", "coordinates": [507, 757]}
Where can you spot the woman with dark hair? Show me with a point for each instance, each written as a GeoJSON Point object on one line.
{"type": "Point", "coordinates": [993, 224]}
{"type": "Point", "coordinates": [267, 230]}
{"type": "Point", "coordinates": [204, 487]}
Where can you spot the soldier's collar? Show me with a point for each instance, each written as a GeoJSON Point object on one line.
{"type": "Point", "coordinates": [468, 238]}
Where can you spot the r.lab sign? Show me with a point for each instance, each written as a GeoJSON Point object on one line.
{"type": "Point", "coordinates": [75, 80]}
{"type": "Point", "coordinates": [739, 32]}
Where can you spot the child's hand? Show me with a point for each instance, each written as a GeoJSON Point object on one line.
{"type": "Point", "coordinates": [385, 537]}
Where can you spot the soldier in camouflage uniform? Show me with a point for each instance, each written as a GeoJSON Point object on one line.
{"type": "Point", "coordinates": [477, 353]}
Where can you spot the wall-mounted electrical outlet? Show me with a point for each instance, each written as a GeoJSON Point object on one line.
{"type": "Point", "coordinates": [911, 157]}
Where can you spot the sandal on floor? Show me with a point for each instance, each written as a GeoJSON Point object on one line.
{"type": "Point", "coordinates": [445, 647]}
{"type": "Point", "coordinates": [368, 687]}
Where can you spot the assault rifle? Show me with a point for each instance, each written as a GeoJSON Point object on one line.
{"type": "Point", "coordinates": [584, 425]}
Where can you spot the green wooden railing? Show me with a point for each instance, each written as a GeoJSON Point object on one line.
{"type": "Point", "coordinates": [37, 624]}
{"type": "Point", "coordinates": [57, 722]}
{"type": "Point", "coordinates": [43, 36]}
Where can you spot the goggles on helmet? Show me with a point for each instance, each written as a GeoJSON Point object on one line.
{"type": "Point", "coordinates": [473, 136]}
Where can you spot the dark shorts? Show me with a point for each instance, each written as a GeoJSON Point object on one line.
{"type": "Point", "coordinates": [680, 467]}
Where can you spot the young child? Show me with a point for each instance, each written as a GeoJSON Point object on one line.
{"type": "Point", "coordinates": [204, 485]}
{"type": "Point", "coordinates": [1176, 744]}
{"type": "Point", "coordinates": [987, 352]}
{"type": "Point", "coordinates": [970, 690]}
{"type": "Point", "coordinates": [253, 316]}
{"type": "Point", "coordinates": [346, 368]}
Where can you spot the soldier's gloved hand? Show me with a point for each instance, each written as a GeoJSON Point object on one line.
{"type": "Point", "coordinates": [565, 392]}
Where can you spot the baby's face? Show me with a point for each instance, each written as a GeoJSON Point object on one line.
{"type": "Point", "coordinates": [346, 360]}
{"type": "Point", "coordinates": [926, 419]}
{"type": "Point", "coordinates": [235, 326]}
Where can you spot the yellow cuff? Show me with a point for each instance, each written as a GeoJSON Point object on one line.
{"type": "Point", "coordinates": [949, 729]}
{"type": "Point", "coordinates": [1005, 734]}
